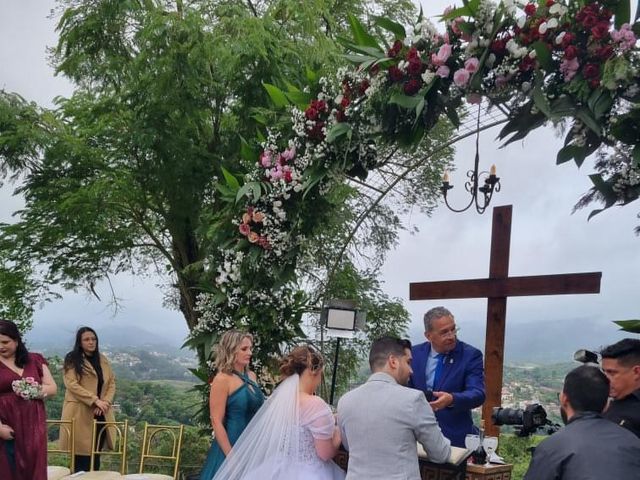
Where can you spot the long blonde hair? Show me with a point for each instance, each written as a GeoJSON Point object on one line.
{"type": "Point", "coordinates": [226, 349]}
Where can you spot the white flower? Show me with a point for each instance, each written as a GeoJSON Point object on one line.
{"type": "Point", "coordinates": [526, 86]}
{"type": "Point", "coordinates": [542, 29]}
{"type": "Point", "coordinates": [532, 54]}
{"type": "Point", "coordinates": [428, 77]}
{"type": "Point", "coordinates": [557, 9]}
{"type": "Point", "coordinates": [552, 23]}
{"type": "Point", "coordinates": [522, 21]}
{"type": "Point", "coordinates": [560, 36]}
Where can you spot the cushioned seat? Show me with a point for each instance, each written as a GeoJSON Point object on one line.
{"type": "Point", "coordinates": [94, 476]}
{"type": "Point", "coordinates": [147, 476]}
{"type": "Point", "coordinates": [56, 473]}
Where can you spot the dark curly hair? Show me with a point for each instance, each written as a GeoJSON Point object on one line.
{"type": "Point", "coordinates": [299, 359]}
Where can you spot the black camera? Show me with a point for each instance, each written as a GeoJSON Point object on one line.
{"type": "Point", "coordinates": [526, 421]}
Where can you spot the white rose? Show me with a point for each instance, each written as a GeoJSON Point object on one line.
{"type": "Point", "coordinates": [542, 29]}
{"type": "Point", "coordinates": [552, 23]}
{"type": "Point", "coordinates": [560, 36]}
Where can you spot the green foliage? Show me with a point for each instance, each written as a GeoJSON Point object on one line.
{"type": "Point", "coordinates": [629, 325]}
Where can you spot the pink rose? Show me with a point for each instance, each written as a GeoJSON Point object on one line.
{"type": "Point", "coordinates": [440, 58]}
{"type": "Point", "coordinates": [289, 154]}
{"type": "Point", "coordinates": [265, 159]}
{"type": "Point", "coordinates": [474, 98]}
{"type": "Point", "coordinates": [461, 77]}
{"type": "Point", "coordinates": [253, 237]}
{"type": "Point", "coordinates": [568, 68]}
{"type": "Point", "coordinates": [244, 229]}
{"type": "Point", "coordinates": [443, 71]}
{"type": "Point", "coordinates": [471, 64]}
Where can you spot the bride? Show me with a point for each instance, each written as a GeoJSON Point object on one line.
{"type": "Point", "coordinates": [293, 436]}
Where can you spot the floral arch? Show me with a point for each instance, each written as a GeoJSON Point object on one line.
{"type": "Point", "coordinates": [571, 63]}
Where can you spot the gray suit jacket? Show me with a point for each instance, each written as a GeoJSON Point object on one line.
{"type": "Point", "coordinates": [380, 423]}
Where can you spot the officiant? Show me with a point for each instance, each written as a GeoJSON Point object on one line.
{"type": "Point", "coordinates": [450, 373]}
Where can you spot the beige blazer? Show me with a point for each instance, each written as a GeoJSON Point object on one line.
{"type": "Point", "coordinates": [79, 401]}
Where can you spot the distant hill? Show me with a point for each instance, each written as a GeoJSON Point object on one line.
{"type": "Point", "coordinates": [545, 342]}
{"type": "Point", "coordinates": [117, 336]}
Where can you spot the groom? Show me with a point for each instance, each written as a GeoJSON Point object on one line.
{"type": "Point", "coordinates": [382, 420]}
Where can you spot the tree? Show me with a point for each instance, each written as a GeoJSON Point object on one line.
{"type": "Point", "coordinates": [125, 174]}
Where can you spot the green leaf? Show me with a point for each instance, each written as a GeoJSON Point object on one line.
{"type": "Point", "coordinates": [571, 152]}
{"type": "Point", "coordinates": [632, 326]}
{"type": "Point", "coordinates": [277, 96]}
{"type": "Point", "coordinates": [543, 55]}
{"type": "Point", "coordinates": [406, 101]}
{"type": "Point", "coordinates": [311, 75]}
{"type": "Point", "coordinates": [636, 26]}
{"type": "Point", "coordinates": [337, 131]}
{"type": "Point", "coordinates": [420, 108]}
{"type": "Point", "coordinates": [622, 12]}
{"type": "Point", "coordinates": [232, 182]}
{"type": "Point", "coordinates": [539, 98]}
{"type": "Point", "coordinates": [360, 35]}
{"type": "Point", "coordinates": [636, 156]}
{"type": "Point", "coordinates": [453, 116]}
{"type": "Point", "coordinates": [246, 152]}
{"type": "Point", "coordinates": [391, 26]}
{"type": "Point", "coordinates": [299, 99]}
{"type": "Point", "coordinates": [585, 117]}
{"type": "Point", "coordinates": [468, 10]}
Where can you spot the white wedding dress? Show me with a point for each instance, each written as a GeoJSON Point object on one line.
{"type": "Point", "coordinates": [278, 444]}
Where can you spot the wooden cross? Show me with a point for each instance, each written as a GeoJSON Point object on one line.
{"type": "Point", "coordinates": [496, 289]}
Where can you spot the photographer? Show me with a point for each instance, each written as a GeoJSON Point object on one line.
{"type": "Point", "coordinates": [589, 447]}
{"type": "Point", "coordinates": [621, 365]}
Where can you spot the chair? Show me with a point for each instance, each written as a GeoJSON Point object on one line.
{"type": "Point", "coordinates": [56, 472]}
{"type": "Point", "coordinates": [153, 434]}
{"type": "Point", "coordinates": [118, 432]}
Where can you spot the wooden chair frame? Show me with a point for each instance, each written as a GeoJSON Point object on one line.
{"type": "Point", "coordinates": [120, 430]}
{"type": "Point", "coordinates": [175, 432]}
{"type": "Point", "coordinates": [69, 427]}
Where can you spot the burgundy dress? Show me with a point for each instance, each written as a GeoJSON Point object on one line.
{"type": "Point", "coordinates": [28, 420]}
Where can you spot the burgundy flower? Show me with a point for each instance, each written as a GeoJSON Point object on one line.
{"type": "Point", "coordinates": [311, 113]}
{"type": "Point", "coordinates": [412, 86]}
{"type": "Point", "coordinates": [605, 52]}
{"type": "Point", "coordinates": [316, 132]}
{"type": "Point", "coordinates": [498, 46]}
{"type": "Point", "coordinates": [594, 83]}
{"type": "Point", "coordinates": [550, 3]}
{"type": "Point", "coordinates": [570, 52]}
{"type": "Point", "coordinates": [530, 9]}
{"type": "Point", "coordinates": [412, 54]}
{"type": "Point", "coordinates": [345, 102]}
{"type": "Point", "coordinates": [591, 71]}
{"type": "Point", "coordinates": [341, 116]}
{"type": "Point", "coordinates": [568, 38]}
{"type": "Point", "coordinates": [600, 31]}
{"type": "Point", "coordinates": [395, 49]}
{"type": "Point", "coordinates": [319, 105]}
{"type": "Point", "coordinates": [395, 74]}
{"type": "Point", "coordinates": [589, 21]}
{"type": "Point", "coordinates": [363, 86]}
{"type": "Point", "coordinates": [526, 64]}
{"type": "Point", "coordinates": [287, 176]}
{"type": "Point", "coordinates": [415, 67]}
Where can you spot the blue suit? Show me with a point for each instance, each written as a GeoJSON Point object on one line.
{"type": "Point", "coordinates": [463, 377]}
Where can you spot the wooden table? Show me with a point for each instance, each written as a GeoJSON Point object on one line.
{"type": "Point", "coordinates": [447, 471]}
{"type": "Point", "coordinates": [492, 472]}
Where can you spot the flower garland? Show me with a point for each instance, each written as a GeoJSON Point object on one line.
{"type": "Point", "coordinates": [558, 61]}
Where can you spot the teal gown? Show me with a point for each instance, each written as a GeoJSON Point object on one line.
{"type": "Point", "coordinates": [242, 405]}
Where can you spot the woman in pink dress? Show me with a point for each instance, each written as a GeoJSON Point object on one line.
{"type": "Point", "coordinates": [23, 428]}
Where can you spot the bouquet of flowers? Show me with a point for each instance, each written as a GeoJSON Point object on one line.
{"type": "Point", "coordinates": [27, 388]}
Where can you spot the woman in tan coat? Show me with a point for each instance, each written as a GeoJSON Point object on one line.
{"type": "Point", "coordinates": [90, 387]}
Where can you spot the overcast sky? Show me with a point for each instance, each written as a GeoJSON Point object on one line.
{"type": "Point", "coordinates": [546, 237]}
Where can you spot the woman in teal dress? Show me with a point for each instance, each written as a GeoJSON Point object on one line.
{"type": "Point", "coordinates": [234, 399]}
